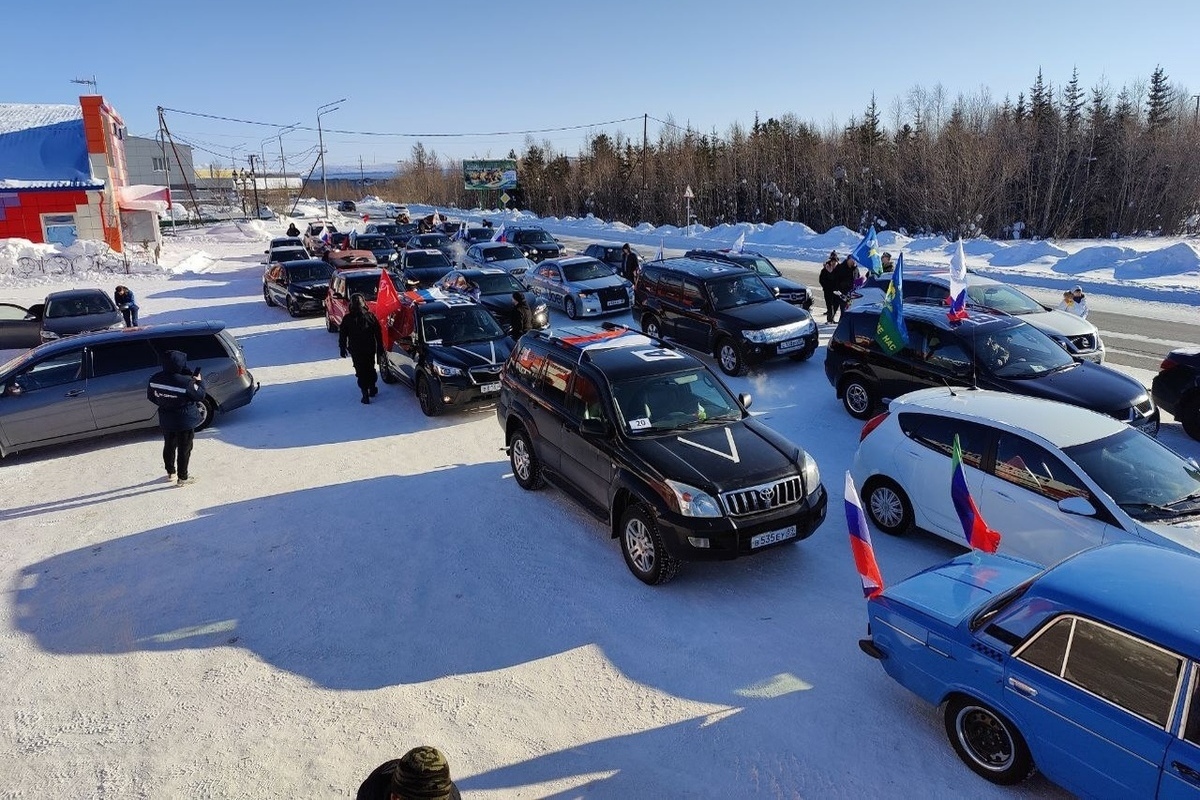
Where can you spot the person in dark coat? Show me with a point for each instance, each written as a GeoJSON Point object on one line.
{"type": "Point", "coordinates": [629, 263]}
{"type": "Point", "coordinates": [361, 337]}
{"type": "Point", "coordinates": [178, 392]}
{"type": "Point", "coordinates": [828, 278]}
{"type": "Point", "coordinates": [421, 774]}
{"type": "Point", "coordinates": [293, 230]}
{"type": "Point", "coordinates": [123, 297]}
{"type": "Point", "coordinates": [521, 316]}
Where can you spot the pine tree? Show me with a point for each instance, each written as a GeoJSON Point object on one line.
{"type": "Point", "coordinates": [1158, 110]}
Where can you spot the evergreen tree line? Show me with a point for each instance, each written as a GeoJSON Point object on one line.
{"type": "Point", "coordinates": [1057, 162]}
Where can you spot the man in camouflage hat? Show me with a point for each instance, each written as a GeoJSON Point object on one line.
{"type": "Point", "coordinates": [421, 774]}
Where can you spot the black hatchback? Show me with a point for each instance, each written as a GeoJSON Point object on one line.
{"type": "Point", "coordinates": [988, 351]}
{"type": "Point", "coordinates": [298, 286]}
{"type": "Point", "coordinates": [1176, 388]}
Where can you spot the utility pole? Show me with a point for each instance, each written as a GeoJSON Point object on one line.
{"type": "Point", "coordinates": [283, 161]}
{"type": "Point", "coordinates": [362, 177]}
{"type": "Point", "coordinates": [642, 205]}
{"type": "Point", "coordinates": [162, 144]}
{"type": "Point", "coordinates": [1196, 97]}
{"type": "Point", "coordinates": [254, 177]}
{"type": "Point", "coordinates": [322, 110]}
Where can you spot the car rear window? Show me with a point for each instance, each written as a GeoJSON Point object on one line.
{"type": "Point", "coordinates": [197, 347]}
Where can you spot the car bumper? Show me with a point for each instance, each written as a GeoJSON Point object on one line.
{"type": "Point", "coordinates": [758, 353]}
{"type": "Point", "coordinates": [726, 538]}
{"type": "Point", "coordinates": [313, 304]}
{"type": "Point", "coordinates": [465, 393]}
{"type": "Point", "coordinates": [597, 310]}
{"type": "Point", "coordinates": [241, 396]}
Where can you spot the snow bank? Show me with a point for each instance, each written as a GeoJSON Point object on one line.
{"type": "Point", "coordinates": [887, 239]}
{"type": "Point", "coordinates": [1178, 259]}
{"type": "Point", "coordinates": [926, 243]}
{"type": "Point", "coordinates": [1105, 256]}
{"type": "Point", "coordinates": [980, 247]}
{"type": "Point", "coordinates": [1011, 255]}
{"type": "Point", "coordinates": [198, 261]}
{"type": "Point", "coordinates": [242, 230]}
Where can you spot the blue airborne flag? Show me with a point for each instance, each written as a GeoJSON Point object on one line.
{"type": "Point", "coordinates": [867, 253]}
{"type": "Point", "coordinates": [891, 332]}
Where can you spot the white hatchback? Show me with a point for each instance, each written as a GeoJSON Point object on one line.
{"type": "Point", "coordinates": [1051, 478]}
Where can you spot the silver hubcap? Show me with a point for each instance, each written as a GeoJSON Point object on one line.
{"type": "Point", "coordinates": [520, 458]}
{"type": "Point", "coordinates": [856, 398]}
{"type": "Point", "coordinates": [984, 738]}
{"type": "Point", "coordinates": [729, 358]}
{"type": "Point", "coordinates": [886, 508]}
{"type": "Point", "coordinates": [640, 545]}
{"type": "Point", "coordinates": [570, 307]}
{"type": "Point", "coordinates": [652, 330]}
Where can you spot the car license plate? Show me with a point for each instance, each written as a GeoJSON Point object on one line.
{"type": "Point", "coordinates": [790, 344]}
{"type": "Point", "coordinates": [771, 537]}
{"type": "Point", "coordinates": [614, 303]}
{"type": "Point", "coordinates": [489, 388]}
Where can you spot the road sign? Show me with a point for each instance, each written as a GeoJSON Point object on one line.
{"type": "Point", "coordinates": [688, 192]}
{"type": "Point", "coordinates": [504, 198]}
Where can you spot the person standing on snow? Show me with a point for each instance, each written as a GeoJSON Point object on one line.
{"type": "Point", "coordinates": [178, 392]}
{"type": "Point", "coordinates": [1081, 306]}
{"type": "Point", "coordinates": [629, 263]}
{"type": "Point", "coordinates": [123, 297]}
{"type": "Point", "coordinates": [828, 279]}
{"type": "Point", "coordinates": [361, 337]}
{"type": "Point", "coordinates": [293, 230]}
{"type": "Point", "coordinates": [521, 316]}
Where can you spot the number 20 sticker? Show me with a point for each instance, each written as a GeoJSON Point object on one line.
{"type": "Point", "coordinates": [641, 423]}
{"type": "Point", "coordinates": [657, 354]}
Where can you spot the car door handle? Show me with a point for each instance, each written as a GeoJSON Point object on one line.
{"type": "Point", "coordinates": [74, 393]}
{"type": "Point", "coordinates": [1022, 687]}
{"type": "Point", "coordinates": [1003, 496]}
{"type": "Point", "coordinates": [1185, 770]}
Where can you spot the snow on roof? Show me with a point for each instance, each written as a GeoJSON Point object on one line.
{"type": "Point", "coordinates": [16, 117]}
{"type": "Point", "coordinates": [43, 146]}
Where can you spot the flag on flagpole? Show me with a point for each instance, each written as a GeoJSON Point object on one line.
{"type": "Point", "coordinates": [979, 535]}
{"type": "Point", "coordinates": [435, 219]}
{"type": "Point", "coordinates": [958, 285]}
{"type": "Point", "coordinates": [661, 244]}
{"type": "Point", "coordinates": [387, 302]}
{"type": "Point", "coordinates": [867, 253]}
{"type": "Point", "coordinates": [860, 542]}
{"type": "Point", "coordinates": [498, 236]}
{"type": "Point", "coordinates": [739, 244]}
{"type": "Point", "coordinates": [891, 332]}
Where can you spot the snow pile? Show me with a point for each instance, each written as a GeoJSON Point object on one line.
{"type": "Point", "coordinates": [885, 239]}
{"type": "Point", "coordinates": [980, 247]}
{"type": "Point", "coordinates": [242, 230]}
{"type": "Point", "coordinates": [1178, 259]}
{"type": "Point", "coordinates": [198, 261]}
{"type": "Point", "coordinates": [926, 243]}
{"type": "Point", "coordinates": [1023, 252]}
{"type": "Point", "coordinates": [1105, 256]}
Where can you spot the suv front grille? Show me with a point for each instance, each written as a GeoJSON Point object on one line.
{"type": "Point", "coordinates": [764, 497]}
{"type": "Point", "coordinates": [486, 374]}
{"type": "Point", "coordinates": [1085, 343]}
{"type": "Point", "coordinates": [611, 295]}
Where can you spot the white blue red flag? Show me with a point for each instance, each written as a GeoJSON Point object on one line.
{"type": "Point", "coordinates": [498, 236]}
{"type": "Point", "coordinates": [860, 543]}
{"type": "Point", "coordinates": [958, 285]}
{"type": "Point", "coordinates": [661, 254]}
{"type": "Point", "coordinates": [979, 536]}
{"type": "Point", "coordinates": [739, 244]}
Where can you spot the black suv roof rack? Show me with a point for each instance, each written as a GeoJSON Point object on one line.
{"type": "Point", "coordinates": [584, 340]}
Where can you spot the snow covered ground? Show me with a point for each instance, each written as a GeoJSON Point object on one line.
{"type": "Point", "coordinates": [344, 582]}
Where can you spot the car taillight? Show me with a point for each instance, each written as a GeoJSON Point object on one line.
{"type": "Point", "coordinates": [1168, 364]}
{"type": "Point", "coordinates": [873, 423]}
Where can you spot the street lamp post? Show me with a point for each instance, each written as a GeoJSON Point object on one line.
{"type": "Point", "coordinates": [322, 110]}
{"type": "Point", "coordinates": [254, 177]}
{"type": "Point", "coordinates": [283, 159]}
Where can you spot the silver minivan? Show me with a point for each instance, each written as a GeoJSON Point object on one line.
{"type": "Point", "coordinates": [95, 383]}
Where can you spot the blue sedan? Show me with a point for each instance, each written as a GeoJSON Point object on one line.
{"type": "Point", "coordinates": [1088, 671]}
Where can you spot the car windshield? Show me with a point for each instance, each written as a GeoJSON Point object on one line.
{"type": "Point", "coordinates": [501, 254]}
{"type": "Point", "coordinates": [532, 237]}
{"type": "Point", "coordinates": [419, 259]}
{"type": "Point", "coordinates": [1002, 298]}
{"type": "Point", "coordinates": [386, 230]}
{"type": "Point", "coordinates": [586, 271]}
{"type": "Point", "coordinates": [284, 256]}
{"type": "Point", "coordinates": [739, 291]}
{"type": "Point", "coordinates": [432, 240]}
{"type": "Point", "coordinates": [310, 272]}
{"type": "Point", "coordinates": [503, 283]}
{"type": "Point", "coordinates": [763, 267]}
{"type": "Point", "coordinates": [479, 234]}
{"type": "Point", "coordinates": [460, 325]}
{"type": "Point", "coordinates": [1145, 478]}
{"type": "Point", "coordinates": [675, 401]}
{"type": "Point", "coordinates": [372, 243]}
{"type": "Point", "coordinates": [1021, 351]}
{"type": "Point", "coordinates": [78, 306]}
{"type": "Point", "coordinates": [366, 285]}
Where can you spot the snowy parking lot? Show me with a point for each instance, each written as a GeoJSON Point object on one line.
{"type": "Point", "coordinates": [347, 581]}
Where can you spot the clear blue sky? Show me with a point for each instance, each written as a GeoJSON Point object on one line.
{"type": "Point", "coordinates": [469, 67]}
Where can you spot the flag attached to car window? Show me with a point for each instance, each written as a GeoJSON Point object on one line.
{"type": "Point", "coordinates": [958, 285]}
{"type": "Point", "coordinates": [891, 332]}
{"type": "Point", "coordinates": [387, 301]}
{"type": "Point", "coordinates": [860, 543]}
{"type": "Point", "coordinates": [739, 244]}
{"type": "Point", "coordinates": [867, 253]}
{"type": "Point", "coordinates": [979, 536]}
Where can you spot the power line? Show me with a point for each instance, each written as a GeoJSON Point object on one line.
{"type": "Point", "coordinates": [403, 135]}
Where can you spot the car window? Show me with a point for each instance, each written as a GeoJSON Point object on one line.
{"type": "Point", "coordinates": [553, 385]}
{"type": "Point", "coordinates": [53, 371]}
{"type": "Point", "coordinates": [549, 273]}
{"type": "Point", "coordinates": [198, 347]}
{"type": "Point", "coordinates": [1021, 462]}
{"type": "Point", "coordinates": [1021, 351]}
{"type": "Point", "coordinates": [739, 291]}
{"type": "Point", "coordinates": [111, 359]}
{"type": "Point", "coordinates": [1048, 649]}
{"type": "Point", "coordinates": [584, 401]}
{"type": "Point", "coordinates": [526, 368]}
{"type": "Point", "coordinates": [1134, 674]}
{"type": "Point", "coordinates": [693, 294]}
{"type": "Point", "coordinates": [672, 286]}
{"type": "Point", "coordinates": [11, 312]}
{"type": "Point", "coordinates": [79, 306]}
{"type": "Point", "coordinates": [649, 278]}
{"type": "Point", "coordinates": [1144, 477]}
{"type": "Point", "coordinates": [1191, 730]}
{"type": "Point", "coordinates": [937, 433]}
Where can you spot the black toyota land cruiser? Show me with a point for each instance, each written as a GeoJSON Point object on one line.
{"type": "Point", "coordinates": [723, 309]}
{"type": "Point", "coordinates": [649, 439]}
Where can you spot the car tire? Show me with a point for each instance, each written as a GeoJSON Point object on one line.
{"type": "Point", "coordinates": [1188, 415]}
{"type": "Point", "coordinates": [267, 297]}
{"type": "Point", "coordinates": [386, 374]}
{"type": "Point", "coordinates": [858, 396]}
{"type": "Point", "coordinates": [651, 326]}
{"type": "Point", "coordinates": [887, 506]}
{"type": "Point", "coordinates": [729, 357]}
{"type": "Point", "coordinates": [527, 469]}
{"type": "Point", "coordinates": [208, 411]}
{"type": "Point", "coordinates": [292, 309]}
{"type": "Point", "coordinates": [987, 742]}
{"type": "Point", "coordinates": [642, 545]}
{"type": "Point", "coordinates": [569, 308]}
{"type": "Point", "coordinates": [330, 325]}
{"type": "Point", "coordinates": [430, 400]}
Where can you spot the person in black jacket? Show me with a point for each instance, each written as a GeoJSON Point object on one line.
{"type": "Point", "coordinates": [521, 316]}
{"type": "Point", "coordinates": [629, 263]}
{"type": "Point", "coordinates": [421, 774]}
{"type": "Point", "coordinates": [177, 391]}
{"type": "Point", "coordinates": [360, 335]}
{"type": "Point", "coordinates": [828, 278]}
{"type": "Point", "coordinates": [293, 230]}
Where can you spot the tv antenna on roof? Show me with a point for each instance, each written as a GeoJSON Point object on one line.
{"type": "Point", "coordinates": [87, 82]}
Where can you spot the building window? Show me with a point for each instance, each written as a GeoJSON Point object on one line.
{"type": "Point", "coordinates": [160, 164]}
{"type": "Point", "coordinates": [59, 228]}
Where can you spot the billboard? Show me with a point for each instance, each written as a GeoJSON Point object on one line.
{"type": "Point", "coordinates": [492, 174]}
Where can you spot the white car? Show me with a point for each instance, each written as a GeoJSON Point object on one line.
{"type": "Point", "coordinates": [496, 255]}
{"type": "Point", "coordinates": [1052, 479]}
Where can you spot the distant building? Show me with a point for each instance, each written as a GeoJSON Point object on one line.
{"type": "Point", "coordinates": [146, 163]}
{"type": "Point", "coordinates": [63, 176]}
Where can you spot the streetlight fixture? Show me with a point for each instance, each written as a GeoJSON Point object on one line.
{"type": "Point", "coordinates": [283, 158]}
{"type": "Point", "coordinates": [321, 111]}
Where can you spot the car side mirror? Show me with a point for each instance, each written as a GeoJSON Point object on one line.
{"type": "Point", "coordinates": [37, 310]}
{"type": "Point", "coordinates": [1079, 506]}
{"type": "Point", "coordinates": [746, 400]}
{"type": "Point", "coordinates": [594, 428]}
{"type": "Point", "coordinates": [11, 390]}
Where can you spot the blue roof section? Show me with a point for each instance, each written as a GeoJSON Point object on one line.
{"type": "Point", "coordinates": [44, 146]}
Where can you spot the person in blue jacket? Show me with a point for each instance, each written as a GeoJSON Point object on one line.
{"type": "Point", "coordinates": [178, 392]}
{"type": "Point", "coordinates": [123, 297]}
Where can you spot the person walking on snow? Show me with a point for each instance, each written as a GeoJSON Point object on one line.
{"type": "Point", "coordinates": [178, 392]}
{"type": "Point", "coordinates": [361, 337]}
{"type": "Point", "coordinates": [293, 230]}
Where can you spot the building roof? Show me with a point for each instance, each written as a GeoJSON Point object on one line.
{"type": "Point", "coordinates": [44, 146]}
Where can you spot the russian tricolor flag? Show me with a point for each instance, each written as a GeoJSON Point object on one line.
{"type": "Point", "coordinates": [979, 535]}
{"type": "Point", "coordinates": [860, 542]}
{"type": "Point", "coordinates": [958, 285]}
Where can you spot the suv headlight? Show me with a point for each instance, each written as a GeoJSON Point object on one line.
{"type": "Point", "coordinates": [691, 502]}
{"type": "Point", "coordinates": [445, 370]}
{"type": "Point", "coordinates": [758, 337]}
{"type": "Point", "coordinates": [812, 475]}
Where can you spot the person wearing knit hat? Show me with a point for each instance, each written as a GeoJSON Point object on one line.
{"type": "Point", "coordinates": [420, 774]}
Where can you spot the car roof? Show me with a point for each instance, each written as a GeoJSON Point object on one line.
{"type": "Point", "coordinates": [305, 262]}
{"type": "Point", "coordinates": [701, 267]}
{"type": "Point", "coordinates": [66, 294]}
{"type": "Point", "coordinates": [571, 260]}
{"type": "Point", "coordinates": [486, 245]}
{"type": "Point", "coordinates": [617, 350]}
{"type": "Point", "coordinates": [936, 314]}
{"type": "Point", "coordinates": [1140, 588]}
{"type": "Point", "coordinates": [469, 271]}
{"type": "Point", "coordinates": [1061, 424]}
{"type": "Point", "coordinates": [93, 338]}
{"type": "Point", "coordinates": [358, 272]}
{"type": "Point", "coordinates": [434, 299]}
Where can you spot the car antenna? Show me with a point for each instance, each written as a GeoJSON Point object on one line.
{"type": "Point", "coordinates": [951, 388]}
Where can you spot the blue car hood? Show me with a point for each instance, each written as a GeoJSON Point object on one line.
{"type": "Point", "coordinates": [957, 588]}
